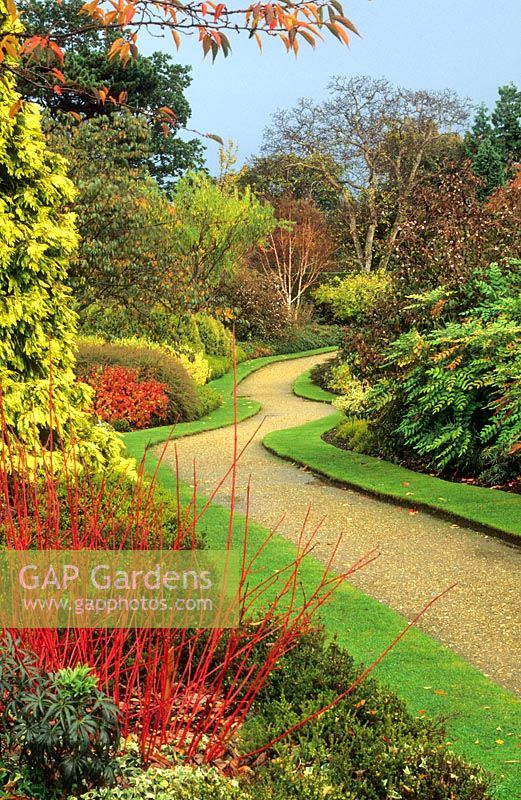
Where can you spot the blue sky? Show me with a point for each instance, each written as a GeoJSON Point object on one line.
{"type": "Point", "coordinates": [471, 46]}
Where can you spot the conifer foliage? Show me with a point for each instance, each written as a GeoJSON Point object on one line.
{"type": "Point", "coordinates": [37, 320]}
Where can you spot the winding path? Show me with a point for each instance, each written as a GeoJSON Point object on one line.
{"type": "Point", "coordinates": [480, 618]}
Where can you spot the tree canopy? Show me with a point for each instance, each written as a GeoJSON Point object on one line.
{"type": "Point", "coordinates": [143, 85]}
{"type": "Point", "coordinates": [493, 143]}
{"type": "Point", "coordinates": [369, 140]}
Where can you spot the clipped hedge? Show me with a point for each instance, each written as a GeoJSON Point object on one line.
{"type": "Point", "coordinates": [150, 364]}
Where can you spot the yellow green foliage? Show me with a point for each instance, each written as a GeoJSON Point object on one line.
{"type": "Point", "coordinates": [350, 298]}
{"type": "Point", "coordinates": [37, 321]}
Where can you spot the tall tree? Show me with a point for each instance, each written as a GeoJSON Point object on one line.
{"type": "Point", "coordinates": [488, 164]}
{"type": "Point", "coordinates": [485, 153]}
{"type": "Point", "coordinates": [296, 254]}
{"type": "Point", "coordinates": [280, 175]}
{"type": "Point", "coordinates": [506, 119]}
{"type": "Point", "coordinates": [216, 228]}
{"type": "Point", "coordinates": [37, 321]}
{"type": "Point", "coordinates": [493, 143]}
{"type": "Point", "coordinates": [377, 137]}
{"type": "Point", "coordinates": [125, 222]}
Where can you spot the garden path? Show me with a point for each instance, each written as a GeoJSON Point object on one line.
{"type": "Point", "coordinates": [421, 555]}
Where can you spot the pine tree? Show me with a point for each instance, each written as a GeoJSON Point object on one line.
{"type": "Point", "coordinates": [489, 165]}
{"type": "Point", "coordinates": [37, 320]}
{"type": "Point", "coordinates": [481, 129]}
{"type": "Point", "coordinates": [506, 119]}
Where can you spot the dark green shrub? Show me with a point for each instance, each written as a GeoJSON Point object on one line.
{"type": "Point", "coordinates": [321, 373]}
{"type": "Point", "coordinates": [68, 730]}
{"type": "Point", "coordinates": [18, 674]}
{"type": "Point", "coordinates": [310, 337]}
{"type": "Point", "coordinates": [149, 363]}
{"type": "Point", "coordinates": [368, 747]}
{"type": "Point", "coordinates": [59, 729]}
{"type": "Point", "coordinates": [453, 392]}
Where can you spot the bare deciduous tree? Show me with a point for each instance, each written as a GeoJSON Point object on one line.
{"type": "Point", "coordinates": [298, 253]}
{"type": "Point", "coordinates": [378, 136]}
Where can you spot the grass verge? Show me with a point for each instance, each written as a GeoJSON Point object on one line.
{"type": "Point", "coordinates": [483, 719]}
{"type": "Point", "coordinates": [489, 510]}
{"type": "Point", "coordinates": [222, 416]}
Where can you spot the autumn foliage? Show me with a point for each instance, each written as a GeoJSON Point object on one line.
{"type": "Point", "coordinates": [120, 397]}
{"type": "Point", "coordinates": [296, 254]}
{"type": "Point", "coordinates": [291, 22]}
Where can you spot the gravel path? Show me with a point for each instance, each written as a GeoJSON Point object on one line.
{"type": "Point", "coordinates": [480, 618]}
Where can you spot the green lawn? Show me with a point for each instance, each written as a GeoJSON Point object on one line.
{"type": "Point", "coordinates": [496, 512]}
{"type": "Point", "coordinates": [484, 720]}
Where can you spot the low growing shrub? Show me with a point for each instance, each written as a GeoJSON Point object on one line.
{"type": "Point", "coordinates": [369, 747]}
{"type": "Point", "coordinates": [149, 364]}
{"type": "Point", "coordinates": [219, 366]}
{"type": "Point", "coordinates": [310, 337]}
{"type": "Point", "coordinates": [59, 727]}
{"type": "Point", "coordinates": [210, 399]}
{"type": "Point", "coordinates": [354, 396]}
{"type": "Point", "coordinates": [352, 297]}
{"type": "Point", "coordinates": [126, 402]}
{"type": "Point", "coordinates": [170, 783]}
{"type": "Point", "coordinates": [355, 434]}
{"type": "Point", "coordinates": [69, 730]}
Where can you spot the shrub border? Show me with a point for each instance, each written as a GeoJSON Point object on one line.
{"type": "Point", "coordinates": [430, 677]}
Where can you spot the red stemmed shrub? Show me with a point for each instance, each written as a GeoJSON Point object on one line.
{"type": "Point", "coordinates": [191, 688]}
{"type": "Point", "coordinates": [125, 401]}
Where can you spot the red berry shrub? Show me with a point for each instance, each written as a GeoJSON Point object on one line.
{"type": "Point", "coordinates": [123, 400]}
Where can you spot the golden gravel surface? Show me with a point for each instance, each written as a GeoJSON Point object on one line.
{"type": "Point", "coordinates": [421, 555]}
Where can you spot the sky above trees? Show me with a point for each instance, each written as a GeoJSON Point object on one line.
{"type": "Point", "coordinates": [470, 46]}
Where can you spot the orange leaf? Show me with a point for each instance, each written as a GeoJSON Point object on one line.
{"type": "Point", "coordinates": [58, 74]}
{"type": "Point", "coordinates": [15, 108]}
{"type": "Point", "coordinates": [58, 52]}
